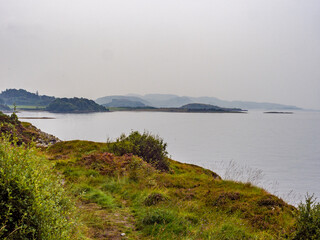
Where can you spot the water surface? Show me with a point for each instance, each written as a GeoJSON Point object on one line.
{"type": "Point", "coordinates": [286, 147]}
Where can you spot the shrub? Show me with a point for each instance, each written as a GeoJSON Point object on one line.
{"type": "Point", "coordinates": [154, 198]}
{"type": "Point", "coordinates": [14, 117]}
{"type": "Point", "coordinates": [33, 204]}
{"type": "Point", "coordinates": [150, 148]}
{"type": "Point", "coordinates": [308, 220]}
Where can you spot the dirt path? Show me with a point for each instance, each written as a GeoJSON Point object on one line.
{"type": "Point", "coordinates": [108, 224]}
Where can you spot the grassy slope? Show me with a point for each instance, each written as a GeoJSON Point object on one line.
{"type": "Point", "coordinates": [126, 195]}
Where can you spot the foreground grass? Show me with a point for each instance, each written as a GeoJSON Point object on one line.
{"type": "Point", "coordinates": [125, 195]}
{"type": "Point", "coordinates": [33, 203]}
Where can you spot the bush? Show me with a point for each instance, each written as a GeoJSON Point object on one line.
{"type": "Point", "coordinates": [150, 148]}
{"type": "Point", "coordinates": [154, 198]}
{"type": "Point", "coordinates": [308, 220]}
{"type": "Point", "coordinates": [33, 204]}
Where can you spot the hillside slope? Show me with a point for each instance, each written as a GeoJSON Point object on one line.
{"type": "Point", "coordinates": [122, 196]}
{"type": "Point", "coordinates": [25, 98]}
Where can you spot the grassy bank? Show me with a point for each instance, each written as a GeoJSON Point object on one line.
{"type": "Point", "coordinates": [186, 202]}
{"type": "Point", "coordinates": [120, 195]}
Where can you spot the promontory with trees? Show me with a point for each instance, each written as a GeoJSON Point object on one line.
{"type": "Point", "coordinates": [74, 105]}
{"type": "Point", "coordinates": [24, 100]}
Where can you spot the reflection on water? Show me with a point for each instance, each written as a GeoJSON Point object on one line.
{"type": "Point", "coordinates": [285, 147]}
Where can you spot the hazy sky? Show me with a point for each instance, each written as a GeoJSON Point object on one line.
{"type": "Point", "coordinates": [259, 50]}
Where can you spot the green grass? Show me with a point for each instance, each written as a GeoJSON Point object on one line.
{"type": "Point", "coordinates": [188, 202]}
{"type": "Point", "coordinates": [124, 194]}
{"type": "Point", "coordinates": [98, 196]}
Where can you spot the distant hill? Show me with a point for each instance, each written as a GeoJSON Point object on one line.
{"type": "Point", "coordinates": [125, 103]}
{"type": "Point", "coordinates": [23, 97]}
{"type": "Point", "coordinates": [109, 99]}
{"type": "Point", "coordinates": [167, 100]}
{"type": "Point", "coordinates": [3, 106]}
{"type": "Point", "coordinates": [74, 105]}
{"type": "Point", "coordinates": [174, 101]}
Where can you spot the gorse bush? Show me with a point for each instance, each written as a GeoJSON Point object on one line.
{"type": "Point", "coordinates": [150, 148]}
{"type": "Point", "coordinates": [33, 204]}
{"type": "Point", "coordinates": [308, 220]}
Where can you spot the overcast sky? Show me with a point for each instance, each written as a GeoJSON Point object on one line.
{"type": "Point", "coordinates": [258, 50]}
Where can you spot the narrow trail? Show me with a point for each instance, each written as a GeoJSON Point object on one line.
{"type": "Point", "coordinates": [108, 224]}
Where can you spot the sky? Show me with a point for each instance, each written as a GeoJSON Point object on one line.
{"type": "Point", "coordinates": [251, 50]}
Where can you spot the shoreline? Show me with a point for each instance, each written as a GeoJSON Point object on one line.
{"type": "Point", "coordinates": [37, 118]}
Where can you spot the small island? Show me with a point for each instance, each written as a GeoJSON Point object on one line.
{"type": "Point", "coordinates": [275, 112]}
{"type": "Point", "coordinates": [188, 108]}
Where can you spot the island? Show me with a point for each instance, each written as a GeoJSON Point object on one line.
{"type": "Point", "coordinates": [276, 112]}
{"type": "Point", "coordinates": [188, 108]}
{"type": "Point", "coordinates": [74, 105]}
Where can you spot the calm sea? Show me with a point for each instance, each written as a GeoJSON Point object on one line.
{"type": "Point", "coordinates": [280, 152]}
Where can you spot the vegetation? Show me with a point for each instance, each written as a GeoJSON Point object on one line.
{"type": "Point", "coordinates": [23, 132]}
{"type": "Point", "coordinates": [188, 202]}
{"type": "Point", "coordinates": [194, 108]}
{"type": "Point", "coordinates": [199, 107]}
{"type": "Point", "coordinates": [150, 148]}
{"type": "Point", "coordinates": [122, 191]}
{"type": "Point", "coordinates": [23, 97]}
{"type": "Point", "coordinates": [308, 220]}
{"type": "Point", "coordinates": [74, 105]}
{"type": "Point", "coordinates": [33, 203]}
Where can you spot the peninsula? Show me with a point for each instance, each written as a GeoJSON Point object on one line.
{"type": "Point", "coordinates": [188, 108]}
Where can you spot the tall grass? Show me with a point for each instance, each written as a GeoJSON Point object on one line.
{"type": "Point", "coordinates": [33, 203]}
{"type": "Point", "coordinates": [246, 174]}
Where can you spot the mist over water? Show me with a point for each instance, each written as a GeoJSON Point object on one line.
{"type": "Point", "coordinates": [278, 152]}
